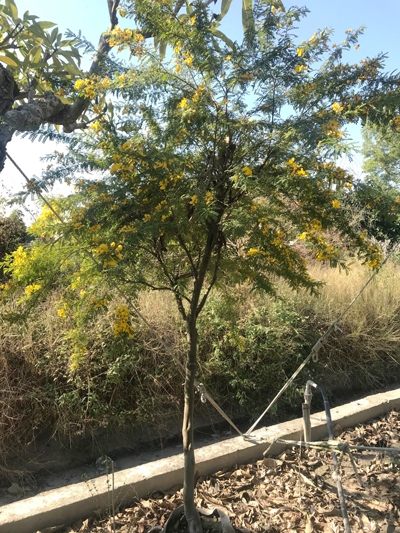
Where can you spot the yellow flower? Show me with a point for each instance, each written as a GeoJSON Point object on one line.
{"type": "Point", "coordinates": [302, 172]}
{"type": "Point", "coordinates": [273, 10]}
{"type": "Point", "coordinates": [188, 60]}
{"type": "Point", "coordinates": [61, 313]}
{"type": "Point", "coordinates": [115, 167]}
{"type": "Point", "coordinates": [247, 171]}
{"type": "Point", "coordinates": [146, 217]}
{"type": "Point", "coordinates": [79, 84]}
{"type": "Point", "coordinates": [300, 51]}
{"type": "Point", "coordinates": [253, 251]}
{"type": "Point", "coordinates": [336, 204]}
{"type": "Point", "coordinates": [337, 107]}
{"type": "Point", "coordinates": [300, 68]}
{"type": "Point", "coordinates": [177, 68]}
{"type": "Point", "coordinates": [109, 262]}
{"type": "Point", "coordinates": [96, 126]}
{"type": "Point", "coordinates": [193, 200]}
{"type": "Point", "coordinates": [31, 288]}
{"type": "Point", "coordinates": [209, 197]}
{"type": "Point", "coordinates": [102, 249]}
{"type": "Point", "coordinates": [125, 146]}
{"type": "Point", "coordinates": [183, 104]}
{"type": "Point", "coordinates": [313, 38]}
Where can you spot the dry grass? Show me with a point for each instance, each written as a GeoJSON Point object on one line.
{"type": "Point", "coordinates": [250, 344]}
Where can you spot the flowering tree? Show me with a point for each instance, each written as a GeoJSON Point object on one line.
{"type": "Point", "coordinates": [220, 159]}
{"type": "Point", "coordinates": [37, 82]}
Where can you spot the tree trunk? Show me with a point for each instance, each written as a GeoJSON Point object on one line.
{"type": "Point", "coordinates": [191, 514]}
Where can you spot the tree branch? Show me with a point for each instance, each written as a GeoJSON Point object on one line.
{"type": "Point", "coordinates": [46, 108]}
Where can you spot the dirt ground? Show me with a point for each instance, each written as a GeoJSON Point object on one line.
{"type": "Point", "coordinates": [293, 493]}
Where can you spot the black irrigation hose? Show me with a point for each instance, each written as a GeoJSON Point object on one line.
{"type": "Point", "coordinates": [339, 485]}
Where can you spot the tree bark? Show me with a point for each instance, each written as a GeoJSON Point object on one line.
{"type": "Point", "coordinates": [47, 108]}
{"type": "Point", "coordinates": [191, 513]}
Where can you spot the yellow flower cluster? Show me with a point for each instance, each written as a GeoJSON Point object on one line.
{"type": "Point", "coordinates": [86, 87]}
{"type": "Point", "coordinates": [113, 251]}
{"type": "Point", "coordinates": [209, 197]}
{"type": "Point", "coordinates": [337, 108]}
{"type": "Point", "coordinates": [253, 251]}
{"type": "Point", "coordinates": [183, 104]}
{"type": "Point", "coordinates": [247, 171]}
{"type": "Point", "coordinates": [329, 253]}
{"type": "Point", "coordinates": [76, 358]}
{"type": "Point", "coordinates": [375, 257]}
{"type": "Point", "coordinates": [102, 249]}
{"type": "Point", "coordinates": [296, 168]}
{"type": "Point", "coordinates": [395, 123]}
{"type": "Point", "coordinates": [20, 259]}
{"type": "Point", "coordinates": [29, 289]}
{"type": "Point", "coordinates": [126, 39]}
{"type": "Point", "coordinates": [122, 322]}
{"type": "Point", "coordinates": [331, 128]}
{"type": "Point", "coordinates": [99, 302]}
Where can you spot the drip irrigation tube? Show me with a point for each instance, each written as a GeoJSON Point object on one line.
{"type": "Point", "coordinates": [307, 396]}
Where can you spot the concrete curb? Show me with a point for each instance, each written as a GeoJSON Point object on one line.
{"type": "Point", "coordinates": [74, 502]}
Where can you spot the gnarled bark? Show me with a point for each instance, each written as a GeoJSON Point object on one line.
{"type": "Point", "coordinates": [46, 108]}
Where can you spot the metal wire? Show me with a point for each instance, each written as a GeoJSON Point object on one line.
{"type": "Point", "coordinates": [318, 345]}
{"type": "Point", "coordinates": [199, 386]}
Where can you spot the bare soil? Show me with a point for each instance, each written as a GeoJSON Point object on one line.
{"type": "Point", "coordinates": [293, 493]}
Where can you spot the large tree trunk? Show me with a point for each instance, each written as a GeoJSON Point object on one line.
{"type": "Point", "coordinates": [191, 514]}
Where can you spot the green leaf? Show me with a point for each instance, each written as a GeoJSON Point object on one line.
{"type": "Point", "coordinates": [226, 4]}
{"type": "Point", "coordinates": [110, 109]}
{"type": "Point", "coordinates": [163, 49]}
{"type": "Point", "coordinates": [38, 55]}
{"type": "Point", "coordinates": [36, 30]}
{"type": "Point", "coordinates": [46, 24]}
{"type": "Point", "coordinates": [53, 35]}
{"type": "Point", "coordinates": [8, 61]}
{"type": "Point", "coordinates": [223, 38]}
{"type": "Point", "coordinates": [12, 8]}
{"type": "Point", "coordinates": [247, 15]}
{"type": "Point", "coordinates": [73, 69]}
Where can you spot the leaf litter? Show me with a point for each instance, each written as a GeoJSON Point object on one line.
{"type": "Point", "coordinates": [292, 493]}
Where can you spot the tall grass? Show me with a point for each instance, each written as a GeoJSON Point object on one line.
{"type": "Point", "coordinates": [249, 345]}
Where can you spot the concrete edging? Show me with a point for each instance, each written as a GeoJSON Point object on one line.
{"type": "Point", "coordinates": [73, 502]}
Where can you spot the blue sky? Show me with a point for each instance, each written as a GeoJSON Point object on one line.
{"type": "Point", "coordinates": [91, 17]}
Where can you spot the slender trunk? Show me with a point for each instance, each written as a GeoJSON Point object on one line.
{"type": "Point", "coordinates": [191, 514]}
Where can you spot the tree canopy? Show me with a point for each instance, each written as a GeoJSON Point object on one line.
{"type": "Point", "coordinates": [217, 166]}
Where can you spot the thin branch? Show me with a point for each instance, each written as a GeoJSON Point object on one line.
{"type": "Point", "coordinates": [212, 282]}
{"type": "Point", "coordinates": [188, 255]}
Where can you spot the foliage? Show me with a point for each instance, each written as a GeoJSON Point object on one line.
{"type": "Point", "coordinates": [378, 193]}
{"type": "Point", "coordinates": [12, 234]}
{"type": "Point", "coordinates": [217, 159]}
{"type": "Point", "coordinates": [248, 344]}
{"type": "Point", "coordinates": [131, 383]}
{"type": "Point", "coordinates": [40, 59]}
